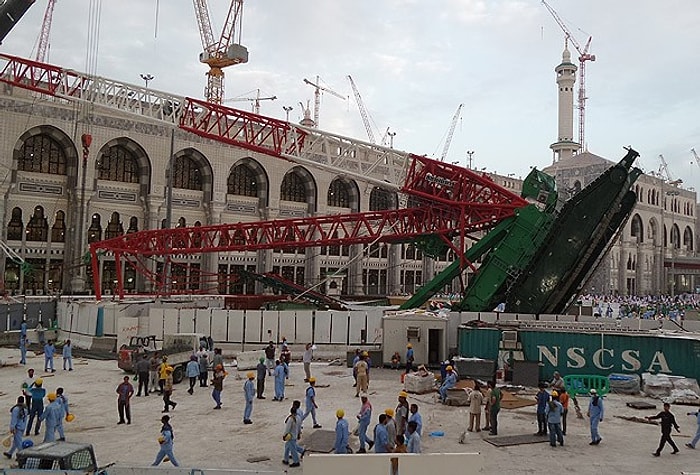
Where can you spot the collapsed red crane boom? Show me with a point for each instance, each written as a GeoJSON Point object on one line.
{"type": "Point", "coordinates": [445, 200]}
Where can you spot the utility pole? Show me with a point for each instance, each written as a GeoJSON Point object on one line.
{"type": "Point", "coordinates": [147, 78]}
{"type": "Point", "coordinates": [287, 110]}
{"type": "Point", "coordinates": [470, 153]}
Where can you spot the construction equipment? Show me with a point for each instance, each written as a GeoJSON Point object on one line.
{"type": "Point", "coordinates": [450, 133]}
{"type": "Point", "coordinates": [10, 13]}
{"type": "Point", "coordinates": [695, 156]}
{"type": "Point", "coordinates": [45, 33]}
{"type": "Point", "coordinates": [447, 203]}
{"type": "Point", "coordinates": [583, 57]}
{"type": "Point", "coordinates": [254, 100]}
{"type": "Point", "coordinates": [317, 96]}
{"type": "Point", "coordinates": [363, 112]}
{"type": "Point", "coordinates": [663, 172]}
{"type": "Point", "coordinates": [222, 52]}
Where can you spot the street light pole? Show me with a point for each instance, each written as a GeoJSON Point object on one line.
{"type": "Point", "coordinates": [147, 78]}
{"type": "Point", "coordinates": [287, 110]}
{"type": "Point", "coordinates": [470, 153]}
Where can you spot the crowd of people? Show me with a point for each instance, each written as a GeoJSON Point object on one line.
{"type": "Point", "coordinates": [654, 307]}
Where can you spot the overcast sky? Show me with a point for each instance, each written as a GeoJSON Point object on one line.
{"type": "Point", "coordinates": [415, 61]}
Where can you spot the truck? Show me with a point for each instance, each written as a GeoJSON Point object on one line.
{"type": "Point", "coordinates": [58, 456]}
{"type": "Point", "coordinates": [178, 347]}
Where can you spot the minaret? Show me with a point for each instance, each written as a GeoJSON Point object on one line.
{"type": "Point", "coordinates": [565, 147]}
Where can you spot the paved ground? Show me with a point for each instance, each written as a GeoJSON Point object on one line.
{"type": "Point", "coordinates": [206, 438]}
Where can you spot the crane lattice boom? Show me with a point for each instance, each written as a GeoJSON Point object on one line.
{"type": "Point", "coordinates": [450, 133]}
{"type": "Point", "coordinates": [317, 96]}
{"type": "Point", "coordinates": [45, 32]}
{"type": "Point", "coordinates": [363, 112]}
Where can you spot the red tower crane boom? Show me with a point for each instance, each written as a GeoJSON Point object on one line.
{"type": "Point", "coordinates": [45, 33]}
{"type": "Point", "coordinates": [583, 57]}
{"type": "Point", "coordinates": [219, 53]}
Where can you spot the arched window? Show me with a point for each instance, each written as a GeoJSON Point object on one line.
{"type": "Point", "coordinates": [577, 187]}
{"type": "Point", "coordinates": [242, 181]}
{"type": "Point", "coordinates": [293, 189]}
{"type": "Point", "coordinates": [38, 226]}
{"type": "Point", "coordinates": [42, 154]}
{"type": "Point", "coordinates": [133, 225]}
{"type": "Point", "coordinates": [95, 229]}
{"type": "Point", "coordinates": [186, 173]}
{"type": "Point", "coordinates": [58, 230]}
{"type": "Point", "coordinates": [114, 227]}
{"type": "Point", "coordinates": [15, 227]}
{"type": "Point", "coordinates": [338, 194]}
{"type": "Point", "coordinates": [688, 239]}
{"type": "Point", "coordinates": [637, 229]}
{"type": "Point", "coordinates": [381, 199]}
{"type": "Point", "coordinates": [118, 164]}
{"type": "Point", "coordinates": [182, 222]}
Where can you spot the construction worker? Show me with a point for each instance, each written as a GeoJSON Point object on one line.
{"type": "Point", "coordinates": [564, 400]}
{"type": "Point", "coordinates": [18, 421]}
{"type": "Point", "coordinates": [668, 420]}
{"type": "Point", "coordinates": [218, 384]}
{"type": "Point", "coordinates": [142, 367]}
{"type": "Point", "coordinates": [203, 370]}
{"type": "Point", "coordinates": [249, 392]}
{"type": "Point", "coordinates": [362, 371]}
{"type": "Point", "coordinates": [38, 393]}
{"type": "Point", "coordinates": [311, 405]}
{"type": "Point", "coordinates": [192, 371]}
{"type": "Point", "coordinates": [67, 354]}
{"type": "Point", "coordinates": [390, 428]}
{"type": "Point", "coordinates": [595, 413]}
{"type": "Point", "coordinates": [166, 443]}
{"type": "Point", "coordinates": [262, 374]}
{"type": "Point", "coordinates": [52, 415]}
{"type": "Point", "coordinates": [553, 412]}
{"type": "Point", "coordinates": [290, 436]}
{"type": "Point", "coordinates": [402, 411]}
{"type": "Point", "coordinates": [63, 400]}
{"type": "Point", "coordinates": [417, 418]}
{"type": "Point", "coordinates": [125, 390]}
{"type": "Point", "coordinates": [280, 375]}
{"type": "Point", "coordinates": [495, 408]}
{"type": "Point", "coordinates": [168, 390]}
{"type": "Point", "coordinates": [414, 439]}
{"type": "Point", "coordinates": [381, 436]}
{"type": "Point", "coordinates": [364, 417]}
{"type": "Point", "coordinates": [342, 433]}
{"type": "Point", "coordinates": [409, 358]}
{"type": "Point", "coordinates": [23, 344]}
{"type": "Point", "coordinates": [49, 351]}
{"type": "Point", "coordinates": [27, 385]}
{"type": "Point", "coordinates": [449, 382]}
{"type": "Point", "coordinates": [162, 374]}
{"type": "Point", "coordinates": [153, 372]}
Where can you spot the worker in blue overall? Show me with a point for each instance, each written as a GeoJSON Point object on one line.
{"type": "Point", "coordinates": [18, 421]}
{"type": "Point", "coordinates": [166, 443]}
{"type": "Point", "coordinates": [249, 392]}
{"type": "Point", "coordinates": [311, 405]}
{"type": "Point", "coordinates": [280, 376]}
{"type": "Point", "coordinates": [52, 416]}
{"type": "Point", "coordinates": [449, 382]}
{"type": "Point", "coordinates": [37, 394]}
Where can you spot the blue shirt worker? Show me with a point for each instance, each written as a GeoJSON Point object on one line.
{"type": "Point", "coordinates": [554, 412]}
{"type": "Point", "coordinates": [693, 443]}
{"type": "Point", "coordinates": [262, 373]}
{"type": "Point", "coordinates": [37, 393]}
{"type": "Point", "coordinates": [381, 436]}
{"type": "Point", "coordinates": [280, 375]}
{"type": "Point", "coordinates": [49, 351]}
{"type": "Point", "coordinates": [413, 445]}
{"type": "Point", "coordinates": [23, 328]}
{"type": "Point", "coordinates": [63, 400]}
{"type": "Point", "coordinates": [449, 382]}
{"type": "Point", "coordinates": [192, 371]}
{"type": "Point", "coordinates": [364, 418]}
{"type": "Point", "coordinates": [23, 344]}
{"type": "Point", "coordinates": [542, 398]}
{"type": "Point", "coordinates": [311, 405]}
{"type": "Point", "coordinates": [290, 436]}
{"type": "Point", "coordinates": [342, 433]}
{"type": "Point", "coordinates": [52, 416]}
{"type": "Point", "coordinates": [595, 412]}
{"type": "Point", "coordinates": [18, 421]}
{"type": "Point", "coordinates": [166, 443]}
{"type": "Point", "coordinates": [249, 391]}
{"type": "Point", "coordinates": [67, 356]}
{"type": "Point", "coordinates": [415, 417]}
{"type": "Point", "coordinates": [409, 358]}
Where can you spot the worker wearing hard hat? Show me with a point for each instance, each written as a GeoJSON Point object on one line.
{"type": "Point", "coordinates": [409, 358]}
{"type": "Point", "coordinates": [311, 405]}
{"type": "Point", "coordinates": [449, 382]}
{"type": "Point", "coordinates": [52, 416]}
{"type": "Point", "coordinates": [554, 410]}
{"type": "Point", "coordinates": [401, 415]}
{"type": "Point", "coordinates": [249, 392]}
{"type": "Point", "coordinates": [362, 371]}
{"type": "Point", "coordinates": [168, 390]}
{"type": "Point", "coordinates": [342, 433]}
{"type": "Point", "coordinates": [37, 409]}
{"type": "Point", "coordinates": [18, 420]}
{"type": "Point", "coordinates": [390, 428]}
{"type": "Point", "coordinates": [63, 400]}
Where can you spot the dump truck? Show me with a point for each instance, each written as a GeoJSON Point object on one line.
{"type": "Point", "coordinates": [178, 347]}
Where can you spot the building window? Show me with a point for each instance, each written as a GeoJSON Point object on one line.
{"type": "Point", "coordinates": [186, 173]}
{"type": "Point", "coordinates": [38, 226]}
{"type": "Point", "coordinates": [293, 188]}
{"type": "Point", "coordinates": [95, 229]}
{"type": "Point", "coordinates": [114, 227]}
{"type": "Point", "coordinates": [133, 225]}
{"type": "Point", "coordinates": [15, 227]}
{"type": "Point", "coordinates": [42, 154]}
{"type": "Point", "coordinates": [58, 230]}
{"type": "Point", "coordinates": [118, 164]}
{"type": "Point", "coordinates": [242, 181]}
{"type": "Point", "coordinates": [381, 199]}
{"type": "Point", "coordinates": [338, 194]}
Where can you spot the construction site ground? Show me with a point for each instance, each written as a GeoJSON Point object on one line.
{"type": "Point", "coordinates": [207, 438]}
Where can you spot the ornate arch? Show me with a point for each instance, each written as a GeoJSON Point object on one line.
{"type": "Point", "coordinates": [255, 170]}
{"type": "Point", "coordinates": [637, 228]}
{"type": "Point", "coordinates": [344, 193]}
{"type": "Point", "coordinates": [299, 184]}
{"type": "Point", "coordinates": [381, 199]}
{"type": "Point", "coordinates": [653, 232]}
{"type": "Point", "coordinates": [106, 162]}
{"type": "Point", "coordinates": [62, 140]}
{"type": "Point", "coordinates": [688, 238]}
{"type": "Point", "coordinates": [188, 158]}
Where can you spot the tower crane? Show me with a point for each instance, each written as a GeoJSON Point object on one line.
{"type": "Point", "coordinates": [45, 32]}
{"type": "Point", "coordinates": [317, 96]}
{"type": "Point", "coordinates": [583, 57]}
{"type": "Point", "coordinates": [224, 51]}
{"type": "Point", "coordinates": [254, 100]}
{"type": "Point", "coordinates": [695, 155]}
{"type": "Point", "coordinates": [450, 133]}
{"type": "Point", "coordinates": [663, 171]}
{"type": "Point", "coordinates": [363, 112]}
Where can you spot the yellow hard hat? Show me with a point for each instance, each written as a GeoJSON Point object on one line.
{"type": "Point", "coordinates": [403, 394]}
{"type": "Point", "coordinates": [449, 368]}
{"type": "Point", "coordinates": [312, 379]}
{"type": "Point", "coordinates": [409, 346]}
{"type": "Point", "coordinates": [250, 375]}
{"type": "Point", "coordinates": [555, 394]}
{"type": "Point", "coordinates": [51, 396]}
{"type": "Point", "coordinates": [70, 418]}
{"type": "Point", "coordinates": [339, 413]}
{"type": "Point", "coordinates": [169, 369]}
{"type": "Point", "coordinates": [389, 412]}
{"type": "Point", "coordinates": [161, 439]}
{"type": "Point", "coordinates": [364, 353]}
{"type": "Point", "coordinates": [38, 382]}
